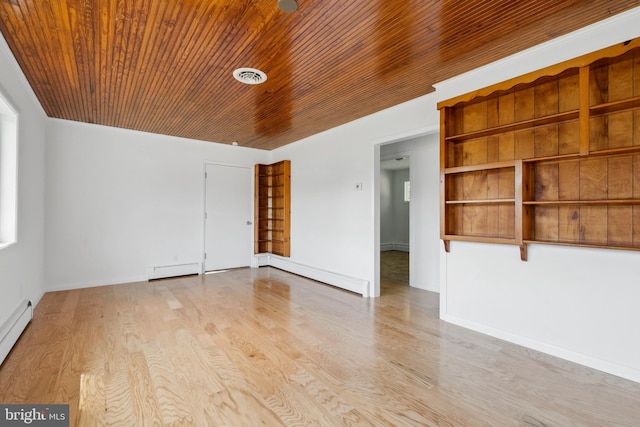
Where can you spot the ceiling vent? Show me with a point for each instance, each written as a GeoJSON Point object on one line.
{"type": "Point", "coordinates": [250, 76]}
{"type": "Point", "coordinates": [288, 6]}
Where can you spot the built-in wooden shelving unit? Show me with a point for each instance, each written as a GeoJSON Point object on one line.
{"type": "Point", "coordinates": [273, 208]}
{"type": "Point", "coordinates": [550, 157]}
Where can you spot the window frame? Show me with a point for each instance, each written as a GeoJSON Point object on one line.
{"type": "Point", "coordinates": [9, 117]}
{"type": "Point", "coordinates": [407, 191]}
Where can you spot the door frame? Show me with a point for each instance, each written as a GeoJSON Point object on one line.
{"type": "Point", "coordinates": [412, 214]}
{"type": "Point", "coordinates": [374, 286]}
{"type": "Point", "coordinates": [204, 209]}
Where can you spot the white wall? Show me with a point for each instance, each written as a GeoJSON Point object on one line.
{"type": "Point", "coordinates": [120, 201]}
{"type": "Point", "coordinates": [387, 230]}
{"type": "Point", "coordinates": [333, 226]}
{"type": "Point", "coordinates": [330, 219]}
{"type": "Point", "coordinates": [21, 264]}
{"type": "Point", "coordinates": [400, 207]}
{"type": "Point", "coordinates": [394, 211]}
{"type": "Point", "coordinates": [576, 303]}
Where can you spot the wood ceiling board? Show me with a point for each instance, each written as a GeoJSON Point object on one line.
{"type": "Point", "coordinates": [165, 66]}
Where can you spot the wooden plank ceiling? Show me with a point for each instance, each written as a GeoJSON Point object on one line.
{"type": "Point", "coordinates": [165, 66]}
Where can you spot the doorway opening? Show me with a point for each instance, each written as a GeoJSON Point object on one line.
{"type": "Point", "coordinates": [395, 218]}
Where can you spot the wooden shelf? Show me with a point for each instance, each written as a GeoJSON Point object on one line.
{"type": "Point", "coordinates": [583, 245]}
{"type": "Point", "coordinates": [584, 202]}
{"type": "Point", "coordinates": [482, 239]}
{"type": "Point", "coordinates": [610, 152]}
{"type": "Point", "coordinates": [266, 211]}
{"type": "Point", "coordinates": [485, 201]}
{"type": "Point", "coordinates": [553, 159]}
{"type": "Point", "coordinates": [615, 106]}
{"type": "Point", "coordinates": [481, 167]}
{"type": "Point", "coordinates": [551, 119]}
{"type": "Point", "coordinates": [613, 151]}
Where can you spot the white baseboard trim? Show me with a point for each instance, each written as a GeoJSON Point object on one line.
{"type": "Point", "coordinates": [353, 284]}
{"type": "Point", "coordinates": [572, 356]}
{"type": "Point", "coordinates": [402, 247]}
{"type": "Point", "coordinates": [176, 270]}
{"type": "Point", "coordinates": [106, 282]}
{"type": "Point", "coordinates": [157, 272]}
{"type": "Point", "coordinates": [425, 287]}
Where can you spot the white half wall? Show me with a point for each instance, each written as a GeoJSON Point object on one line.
{"type": "Point", "coordinates": [576, 303]}
{"type": "Point", "coordinates": [22, 263]}
{"type": "Point", "coordinates": [580, 304]}
{"type": "Point", "coordinates": [120, 202]}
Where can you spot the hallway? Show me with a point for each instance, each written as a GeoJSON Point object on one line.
{"type": "Point", "coordinates": [394, 265]}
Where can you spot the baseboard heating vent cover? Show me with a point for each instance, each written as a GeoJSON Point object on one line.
{"type": "Point", "coordinates": [12, 328]}
{"type": "Point", "coordinates": [176, 270]}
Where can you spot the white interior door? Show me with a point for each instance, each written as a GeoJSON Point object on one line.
{"type": "Point", "coordinates": [228, 217]}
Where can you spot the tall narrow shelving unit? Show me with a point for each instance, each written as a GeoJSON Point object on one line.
{"type": "Point", "coordinates": [550, 157]}
{"type": "Point", "coordinates": [273, 208]}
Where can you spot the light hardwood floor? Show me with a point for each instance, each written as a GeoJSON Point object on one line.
{"type": "Point", "coordinates": [262, 347]}
{"type": "Point", "coordinates": [394, 266]}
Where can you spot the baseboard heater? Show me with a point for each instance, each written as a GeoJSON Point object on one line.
{"type": "Point", "coordinates": [176, 270]}
{"type": "Point", "coordinates": [12, 328]}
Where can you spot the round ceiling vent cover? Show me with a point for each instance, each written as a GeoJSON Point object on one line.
{"type": "Point", "coordinates": [288, 6]}
{"type": "Point", "coordinates": [250, 76]}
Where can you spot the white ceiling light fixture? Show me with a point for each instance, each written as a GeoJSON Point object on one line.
{"type": "Point", "coordinates": [249, 76]}
{"type": "Point", "coordinates": [288, 6]}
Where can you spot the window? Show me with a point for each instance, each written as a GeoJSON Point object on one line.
{"type": "Point", "coordinates": [407, 191]}
{"type": "Point", "coordinates": [8, 172]}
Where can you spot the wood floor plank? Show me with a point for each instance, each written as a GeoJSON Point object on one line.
{"type": "Point", "coordinates": [264, 347]}
{"type": "Point", "coordinates": [92, 399]}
